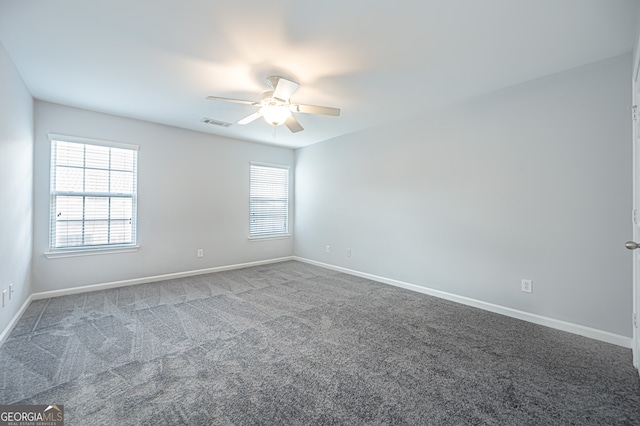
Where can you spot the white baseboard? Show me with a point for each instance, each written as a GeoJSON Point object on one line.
{"type": "Point", "coordinates": [581, 330]}
{"type": "Point", "coordinates": [124, 283]}
{"type": "Point", "coordinates": [7, 330]}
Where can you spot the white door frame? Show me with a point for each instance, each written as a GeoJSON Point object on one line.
{"type": "Point", "coordinates": [635, 343]}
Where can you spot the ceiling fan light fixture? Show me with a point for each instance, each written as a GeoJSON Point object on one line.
{"type": "Point", "coordinates": [275, 114]}
{"type": "Point", "coordinates": [276, 107]}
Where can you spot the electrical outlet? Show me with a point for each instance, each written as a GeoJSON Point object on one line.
{"type": "Point", "coordinates": [200, 253]}
{"type": "Point", "coordinates": [348, 252]}
{"type": "Point", "coordinates": [527, 286]}
{"type": "Point", "coordinates": [327, 249]}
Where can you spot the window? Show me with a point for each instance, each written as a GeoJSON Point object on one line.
{"type": "Point", "coordinates": [268, 201]}
{"type": "Point", "coordinates": [93, 194]}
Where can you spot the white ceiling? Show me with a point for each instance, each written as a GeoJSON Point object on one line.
{"type": "Point", "coordinates": [378, 61]}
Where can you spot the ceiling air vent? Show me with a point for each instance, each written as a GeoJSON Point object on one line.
{"type": "Point", "coordinates": [216, 122]}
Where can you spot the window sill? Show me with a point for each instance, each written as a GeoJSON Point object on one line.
{"type": "Point", "coordinates": [89, 252]}
{"type": "Point", "coordinates": [270, 237]}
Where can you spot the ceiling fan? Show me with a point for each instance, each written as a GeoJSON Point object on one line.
{"type": "Point", "coordinates": [275, 106]}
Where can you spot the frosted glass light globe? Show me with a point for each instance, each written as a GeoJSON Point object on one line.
{"type": "Point", "coordinates": [275, 114]}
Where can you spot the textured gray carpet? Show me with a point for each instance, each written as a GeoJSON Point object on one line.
{"type": "Point", "coordinates": [292, 343]}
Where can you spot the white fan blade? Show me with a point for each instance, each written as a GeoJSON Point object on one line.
{"type": "Point", "coordinates": [238, 101]}
{"type": "Point", "coordinates": [314, 109]}
{"type": "Point", "coordinates": [250, 118]}
{"type": "Point", "coordinates": [284, 89]}
{"type": "Point", "coordinates": [293, 125]}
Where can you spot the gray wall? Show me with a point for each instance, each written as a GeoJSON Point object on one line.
{"type": "Point", "coordinates": [533, 181]}
{"type": "Point", "coordinates": [16, 186]}
{"type": "Point", "coordinates": [193, 192]}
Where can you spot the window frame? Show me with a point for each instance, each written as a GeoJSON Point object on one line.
{"type": "Point", "coordinates": [83, 250]}
{"type": "Point", "coordinates": [274, 235]}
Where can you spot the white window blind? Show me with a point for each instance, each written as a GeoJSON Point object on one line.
{"type": "Point", "coordinates": [268, 200]}
{"type": "Point", "coordinates": [93, 194]}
